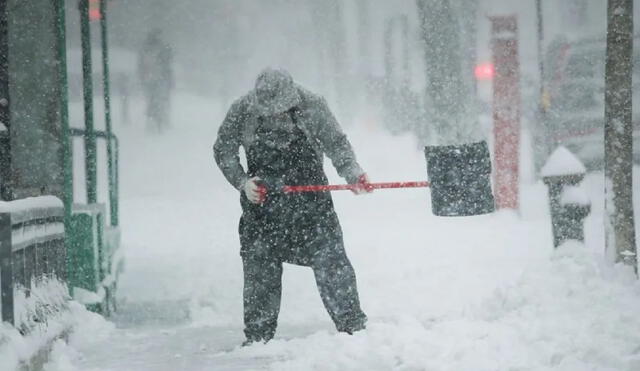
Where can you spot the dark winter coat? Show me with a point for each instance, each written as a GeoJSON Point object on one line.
{"type": "Point", "coordinates": [285, 131]}
{"type": "Point", "coordinates": [315, 120]}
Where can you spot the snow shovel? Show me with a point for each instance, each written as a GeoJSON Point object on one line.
{"type": "Point", "coordinates": [459, 177]}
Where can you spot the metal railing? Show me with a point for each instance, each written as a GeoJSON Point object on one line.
{"type": "Point", "coordinates": [113, 176]}
{"type": "Point", "coordinates": [32, 249]}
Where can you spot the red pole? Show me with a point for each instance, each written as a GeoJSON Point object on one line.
{"type": "Point", "coordinates": [506, 109]}
{"type": "Point", "coordinates": [343, 187]}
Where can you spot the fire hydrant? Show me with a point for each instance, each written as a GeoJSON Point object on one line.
{"type": "Point", "coordinates": [569, 203]}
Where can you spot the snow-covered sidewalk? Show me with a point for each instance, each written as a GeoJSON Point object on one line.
{"type": "Point", "coordinates": [479, 293]}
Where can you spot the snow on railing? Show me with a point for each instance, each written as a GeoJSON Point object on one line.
{"type": "Point", "coordinates": [32, 261]}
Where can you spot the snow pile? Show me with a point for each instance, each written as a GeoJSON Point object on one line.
{"type": "Point", "coordinates": [574, 195]}
{"type": "Point", "coordinates": [46, 299]}
{"type": "Point", "coordinates": [13, 347]}
{"type": "Point", "coordinates": [562, 162]}
{"type": "Point", "coordinates": [538, 322]}
{"type": "Point", "coordinates": [88, 328]}
{"type": "Point", "coordinates": [42, 315]}
{"type": "Point", "coordinates": [16, 348]}
{"type": "Point", "coordinates": [62, 358]}
{"type": "Point", "coordinates": [87, 297]}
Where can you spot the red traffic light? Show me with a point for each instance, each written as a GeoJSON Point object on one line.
{"type": "Point", "coordinates": [485, 71]}
{"type": "Point", "coordinates": [94, 10]}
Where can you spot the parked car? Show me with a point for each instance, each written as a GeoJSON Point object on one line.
{"type": "Point", "coordinates": [573, 101]}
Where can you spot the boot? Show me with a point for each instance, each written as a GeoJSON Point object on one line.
{"type": "Point", "coordinates": [255, 339]}
{"type": "Point", "coordinates": [352, 325]}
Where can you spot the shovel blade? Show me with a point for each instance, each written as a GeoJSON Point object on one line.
{"type": "Point", "coordinates": [460, 177]}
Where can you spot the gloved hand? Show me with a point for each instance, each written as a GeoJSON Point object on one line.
{"type": "Point", "coordinates": [363, 185]}
{"type": "Point", "coordinates": [256, 193]}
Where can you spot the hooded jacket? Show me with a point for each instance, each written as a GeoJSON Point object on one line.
{"type": "Point", "coordinates": [314, 119]}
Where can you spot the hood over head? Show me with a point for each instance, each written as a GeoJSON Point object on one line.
{"type": "Point", "coordinates": [275, 92]}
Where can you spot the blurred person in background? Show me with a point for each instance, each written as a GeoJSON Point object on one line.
{"type": "Point", "coordinates": [155, 71]}
{"type": "Point", "coordinates": [286, 131]}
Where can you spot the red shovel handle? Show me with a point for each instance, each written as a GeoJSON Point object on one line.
{"type": "Point", "coordinates": [343, 187]}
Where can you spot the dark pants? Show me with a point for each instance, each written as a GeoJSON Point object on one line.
{"type": "Point", "coordinates": [335, 279]}
{"type": "Point", "coordinates": [301, 229]}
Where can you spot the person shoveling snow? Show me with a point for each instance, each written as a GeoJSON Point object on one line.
{"type": "Point", "coordinates": [285, 131]}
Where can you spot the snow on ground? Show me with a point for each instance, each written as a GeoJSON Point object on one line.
{"type": "Point", "coordinates": [477, 293]}
{"type": "Point", "coordinates": [16, 348]}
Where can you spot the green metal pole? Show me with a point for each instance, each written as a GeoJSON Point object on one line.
{"type": "Point", "coordinates": [67, 150]}
{"type": "Point", "coordinates": [87, 84]}
{"type": "Point", "coordinates": [113, 198]}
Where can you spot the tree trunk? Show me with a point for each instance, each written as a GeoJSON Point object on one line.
{"type": "Point", "coordinates": [619, 223]}
{"type": "Point", "coordinates": [468, 11]}
{"type": "Point", "coordinates": [452, 99]}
